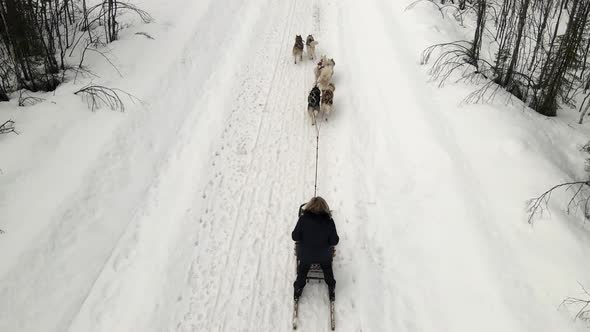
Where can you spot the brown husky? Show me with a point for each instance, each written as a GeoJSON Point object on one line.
{"type": "Point", "coordinates": [298, 48]}
{"type": "Point", "coordinates": [327, 100]}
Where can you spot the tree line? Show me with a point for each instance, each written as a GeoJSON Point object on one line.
{"type": "Point", "coordinates": [36, 37]}
{"type": "Point", "coordinates": [541, 50]}
{"type": "Point", "coordinates": [539, 54]}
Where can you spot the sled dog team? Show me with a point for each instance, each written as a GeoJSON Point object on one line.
{"type": "Point", "coordinates": [321, 96]}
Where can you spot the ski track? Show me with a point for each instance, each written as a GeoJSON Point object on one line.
{"type": "Point", "coordinates": [262, 167]}
{"type": "Point", "coordinates": [238, 188]}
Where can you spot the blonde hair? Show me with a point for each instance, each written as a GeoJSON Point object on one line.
{"type": "Point", "coordinates": [317, 205]}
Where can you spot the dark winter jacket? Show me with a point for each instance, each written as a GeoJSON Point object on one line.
{"type": "Point", "coordinates": [316, 235]}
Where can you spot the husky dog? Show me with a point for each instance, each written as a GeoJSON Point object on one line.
{"type": "Point", "coordinates": [326, 103]}
{"type": "Point", "coordinates": [325, 72]}
{"type": "Point", "coordinates": [319, 67]}
{"type": "Point", "coordinates": [298, 48]}
{"type": "Point", "coordinates": [313, 104]}
{"type": "Point", "coordinates": [310, 43]}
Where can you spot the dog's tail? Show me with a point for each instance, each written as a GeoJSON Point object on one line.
{"type": "Point", "coordinates": [313, 43]}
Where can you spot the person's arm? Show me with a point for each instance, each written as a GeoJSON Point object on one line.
{"type": "Point", "coordinates": [334, 238]}
{"type": "Point", "coordinates": [296, 235]}
{"type": "Point", "coordinates": [301, 209]}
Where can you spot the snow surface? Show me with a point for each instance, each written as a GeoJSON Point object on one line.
{"type": "Point", "coordinates": [176, 215]}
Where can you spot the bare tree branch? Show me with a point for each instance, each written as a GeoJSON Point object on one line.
{"type": "Point", "coordinates": [145, 34]}
{"type": "Point", "coordinates": [98, 96]}
{"type": "Point", "coordinates": [27, 100]}
{"type": "Point", "coordinates": [8, 127]}
{"type": "Point", "coordinates": [582, 313]}
{"type": "Point", "coordinates": [537, 205]}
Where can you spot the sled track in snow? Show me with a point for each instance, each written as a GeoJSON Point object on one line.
{"type": "Point", "coordinates": [262, 166]}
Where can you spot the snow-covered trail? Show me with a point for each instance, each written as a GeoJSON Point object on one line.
{"type": "Point", "coordinates": [242, 268]}
{"type": "Point", "coordinates": [228, 224]}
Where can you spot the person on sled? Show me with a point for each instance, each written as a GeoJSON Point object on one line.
{"type": "Point", "coordinates": [316, 236]}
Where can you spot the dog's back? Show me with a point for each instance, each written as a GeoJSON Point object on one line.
{"type": "Point", "coordinates": [313, 100]}
{"type": "Point", "coordinates": [325, 77]}
{"type": "Point", "coordinates": [310, 43]}
{"type": "Point", "coordinates": [318, 68]}
{"type": "Point", "coordinates": [327, 97]}
{"type": "Point", "coordinates": [298, 47]}
{"type": "Point", "coordinates": [324, 71]}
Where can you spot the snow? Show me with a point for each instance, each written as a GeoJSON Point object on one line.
{"type": "Point", "coordinates": [176, 214]}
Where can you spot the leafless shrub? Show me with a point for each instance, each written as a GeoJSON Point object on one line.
{"type": "Point", "coordinates": [143, 15]}
{"type": "Point", "coordinates": [413, 4]}
{"type": "Point", "coordinates": [24, 99]}
{"type": "Point", "coordinates": [580, 199]}
{"type": "Point", "coordinates": [145, 34]}
{"type": "Point", "coordinates": [485, 94]}
{"type": "Point", "coordinates": [458, 11]}
{"type": "Point", "coordinates": [584, 107]}
{"type": "Point", "coordinates": [8, 127]}
{"type": "Point", "coordinates": [37, 35]}
{"type": "Point", "coordinates": [91, 46]}
{"type": "Point", "coordinates": [105, 14]}
{"type": "Point", "coordinates": [455, 56]}
{"type": "Point", "coordinates": [97, 96]}
{"type": "Point", "coordinates": [583, 313]}
{"type": "Point", "coordinates": [83, 71]}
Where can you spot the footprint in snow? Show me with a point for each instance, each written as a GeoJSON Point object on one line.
{"type": "Point", "coordinates": [242, 150]}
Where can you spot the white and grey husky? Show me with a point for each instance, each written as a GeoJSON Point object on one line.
{"type": "Point", "coordinates": [324, 72]}
{"type": "Point", "coordinates": [311, 43]}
